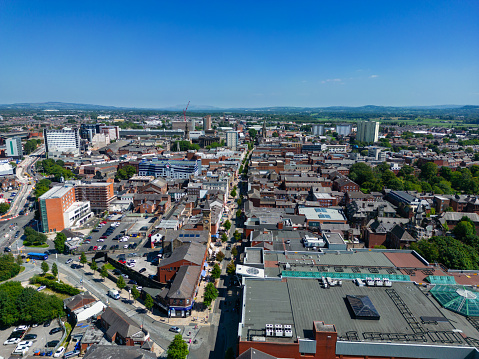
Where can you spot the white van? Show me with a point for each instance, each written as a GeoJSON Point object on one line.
{"type": "Point", "coordinates": [114, 294]}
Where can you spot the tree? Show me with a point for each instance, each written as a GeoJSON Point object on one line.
{"type": "Point", "coordinates": [83, 259]}
{"type": "Point", "coordinates": [464, 228]}
{"type": "Point", "coordinates": [429, 170]}
{"type": "Point", "coordinates": [252, 133]}
{"type": "Point", "coordinates": [227, 225]}
{"type": "Point", "coordinates": [93, 265]}
{"type": "Point", "coordinates": [211, 293]}
{"type": "Point", "coordinates": [275, 134]}
{"type": "Point", "coordinates": [103, 272]}
{"type": "Point", "coordinates": [231, 268]}
{"type": "Point", "coordinates": [220, 256]}
{"type": "Point", "coordinates": [42, 186]}
{"type": "Point", "coordinates": [120, 283]}
{"type": "Point", "coordinates": [224, 237]}
{"type": "Point", "coordinates": [4, 207]}
{"type": "Point", "coordinates": [230, 353]}
{"type": "Point", "coordinates": [238, 213]}
{"type": "Point", "coordinates": [361, 173]}
{"type": "Point", "coordinates": [59, 242]}
{"type": "Point", "coordinates": [135, 293]}
{"type": "Point", "coordinates": [234, 251]}
{"type": "Point", "coordinates": [33, 238]}
{"type": "Point", "coordinates": [364, 153]}
{"type": "Point", "coordinates": [178, 349]}
{"type": "Point", "coordinates": [54, 269]}
{"type": "Point", "coordinates": [216, 271]}
{"type": "Point", "coordinates": [148, 302]}
{"type": "Point", "coordinates": [45, 267]}
{"type": "Point", "coordinates": [233, 193]}
{"type": "Point", "coordinates": [239, 201]}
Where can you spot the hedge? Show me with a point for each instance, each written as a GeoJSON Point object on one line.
{"type": "Point", "coordinates": [54, 285]}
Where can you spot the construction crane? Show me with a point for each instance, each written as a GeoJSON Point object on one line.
{"type": "Point", "coordinates": [184, 111]}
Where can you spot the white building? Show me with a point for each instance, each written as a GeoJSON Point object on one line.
{"type": "Point", "coordinates": [318, 130]}
{"type": "Point", "coordinates": [14, 147]}
{"type": "Point", "coordinates": [368, 131]}
{"type": "Point", "coordinates": [232, 140]}
{"type": "Point", "coordinates": [58, 142]}
{"type": "Point", "coordinates": [344, 129]}
{"type": "Point", "coordinates": [77, 214]}
{"type": "Point", "coordinates": [112, 131]}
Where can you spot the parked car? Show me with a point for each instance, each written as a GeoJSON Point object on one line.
{"type": "Point", "coordinates": [142, 270]}
{"type": "Point", "coordinates": [59, 352]}
{"type": "Point", "coordinates": [47, 323]}
{"type": "Point", "coordinates": [42, 287]}
{"type": "Point", "coordinates": [95, 248]}
{"type": "Point", "coordinates": [55, 330]}
{"type": "Point", "coordinates": [10, 341]}
{"type": "Point", "coordinates": [21, 328]}
{"type": "Point", "coordinates": [7, 249]}
{"type": "Point", "coordinates": [30, 337]}
{"type": "Point", "coordinates": [90, 248]}
{"type": "Point", "coordinates": [52, 343]}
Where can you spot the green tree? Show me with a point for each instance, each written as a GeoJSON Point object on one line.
{"type": "Point", "coordinates": [54, 269]}
{"type": "Point", "coordinates": [227, 225]}
{"type": "Point", "coordinates": [233, 193]}
{"type": "Point", "coordinates": [216, 271]}
{"type": "Point", "coordinates": [135, 293]}
{"type": "Point", "coordinates": [42, 187]}
{"type": "Point", "coordinates": [237, 236]}
{"type": "Point", "coordinates": [220, 256]}
{"type": "Point", "coordinates": [238, 213]}
{"type": "Point", "coordinates": [252, 133]}
{"type": "Point", "coordinates": [364, 153]}
{"type": "Point", "coordinates": [4, 207]}
{"type": "Point", "coordinates": [178, 349]}
{"type": "Point", "coordinates": [120, 283]}
{"type": "Point", "coordinates": [234, 252]}
{"type": "Point", "coordinates": [33, 238]}
{"type": "Point", "coordinates": [45, 267]}
{"type": "Point", "coordinates": [59, 242]}
{"type": "Point", "coordinates": [224, 237]}
{"type": "Point", "coordinates": [464, 228]}
{"type": "Point", "coordinates": [93, 265]}
{"type": "Point", "coordinates": [239, 201]}
{"type": "Point", "coordinates": [361, 173]}
{"type": "Point", "coordinates": [275, 134]}
{"type": "Point", "coordinates": [429, 170]}
{"type": "Point", "coordinates": [148, 302]}
{"type": "Point", "coordinates": [231, 268]}
{"type": "Point", "coordinates": [83, 259]}
{"type": "Point", "coordinates": [211, 293]}
{"type": "Point", "coordinates": [103, 272]}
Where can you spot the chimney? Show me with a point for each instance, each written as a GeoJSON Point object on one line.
{"type": "Point", "coordinates": [280, 225]}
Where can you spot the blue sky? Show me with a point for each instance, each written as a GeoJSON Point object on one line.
{"type": "Point", "coordinates": [240, 54]}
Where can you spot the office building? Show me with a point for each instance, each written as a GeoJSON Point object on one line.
{"type": "Point", "coordinates": [169, 168]}
{"type": "Point", "coordinates": [182, 125]}
{"type": "Point", "coordinates": [207, 123]}
{"type": "Point", "coordinates": [368, 131]}
{"type": "Point", "coordinates": [14, 147]}
{"type": "Point", "coordinates": [60, 210]}
{"type": "Point", "coordinates": [88, 130]}
{"type": "Point", "coordinates": [232, 140]}
{"type": "Point", "coordinates": [318, 130]}
{"type": "Point", "coordinates": [99, 194]}
{"type": "Point", "coordinates": [343, 129]}
{"type": "Point", "coordinates": [64, 141]}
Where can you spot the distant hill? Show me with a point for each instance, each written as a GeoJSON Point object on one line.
{"type": "Point", "coordinates": [60, 106]}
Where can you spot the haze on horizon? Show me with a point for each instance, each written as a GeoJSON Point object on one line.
{"type": "Point", "coordinates": [245, 54]}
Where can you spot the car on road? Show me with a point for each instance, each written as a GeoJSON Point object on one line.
{"type": "Point", "coordinates": [132, 282]}
{"type": "Point", "coordinates": [69, 260]}
{"type": "Point", "coordinates": [175, 330]}
{"type": "Point", "coordinates": [59, 352]}
{"type": "Point", "coordinates": [52, 343]}
{"type": "Point", "coordinates": [75, 266]}
{"type": "Point", "coordinates": [7, 250]}
{"type": "Point", "coordinates": [55, 330]}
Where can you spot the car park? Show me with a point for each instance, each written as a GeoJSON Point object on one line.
{"type": "Point", "coordinates": [90, 248]}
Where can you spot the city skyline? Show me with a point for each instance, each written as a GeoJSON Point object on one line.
{"type": "Point", "coordinates": [249, 55]}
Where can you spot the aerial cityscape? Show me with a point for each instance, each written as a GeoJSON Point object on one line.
{"type": "Point", "coordinates": [239, 180]}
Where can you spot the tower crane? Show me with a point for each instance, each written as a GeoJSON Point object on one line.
{"type": "Point", "coordinates": [184, 111]}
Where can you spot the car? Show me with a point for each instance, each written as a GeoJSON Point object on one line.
{"type": "Point", "coordinates": [125, 276]}
{"type": "Point", "coordinates": [52, 343]}
{"type": "Point", "coordinates": [59, 352]}
{"type": "Point", "coordinates": [142, 270]}
{"type": "Point", "coordinates": [116, 271]}
{"type": "Point", "coordinates": [132, 282]}
{"type": "Point", "coordinates": [69, 260]}
{"type": "Point", "coordinates": [96, 230]}
{"type": "Point", "coordinates": [112, 247]}
{"type": "Point", "coordinates": [7, 250]}
{"type": "Point", "coordinates": [101, 240]}
{"type": "Point", "coordinates": [87, 241]}
{"type": "Point", "coordinates": [125, 246]}
{"type": "Point", "coordinates": [21, 328]}
{"type": "Point", "coordinates": [175, 330]}
{"type": "Point", "coordinates": [42, 287]}
{"type": "Point", "coordinates": [131, 264]}
{"type": "Point", "coordinates": [55, 330]}
{"type": "Point", "coordinates": [47, 323]}
{"type": "Point", "coordinates": [104, 247]}
{"type": "Point", "coordinates": [95, 248]}
{"type": "Point", "coordinates": [20, 351]}
{"type": "Point", "coordinates": [228, 247]}
{"type": "Point", "coordinates": [133, 255]}
{"type": "Point", "coordinates": [102, 237]}
{"type": "Point", "coordinates": [139, 288]}
{"type": "Point", "coordinates": [122, 261]}
{"type": "Point", "coordinates": [30, 337]}
{"type": "Point", "coordinates": [25, 343]}
{"type": "Point", "coordinates": [10, 341]}
{"type": "Point", "coordinates": [17, 334]}
{"type": "Point", "coordinates": [89, 237]}
{"type": "Point", "coordinates": [90, 248]}
{"type": "Point", "coordinates": [75, 266]}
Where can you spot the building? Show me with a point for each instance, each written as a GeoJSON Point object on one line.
{"type": "Point", "coordinates": [122, 329]}
{"type": "Point", "coordinates": [169, 168]}
{"type": "Point", "coordinates": [116, 351]}
{"type": "Point", "coordinates": [64, 141]}
{"type": "Point", "coordinates": [88, 130]}
{"type": "Point", "coordinates": [207, 123]}
{"type": "Point", "coordinates": [316, 216]}
{"type": "Point", "coordinates": [111, 131]}
{"type": "Point", "coordinates": [189, 254]}
{"type": "Point", "coordinates": [182, 125]}
{"type": "Point", "coordinates": [318, 130]}
{"type": "Point", "coordinates": [100, 195]}
{"type": "Point", "coordinates": [14, 147]}
{"type": "Point", "coordinates": [368, 131]}
{"type": "Point", "coordinates": [6, 169]}
{"type": "Point", "coordinates": [232, 140]}
{"type": "Point", "coordinates": [344, 129]}
{"type": "Point", "coordinates": [60, 210]}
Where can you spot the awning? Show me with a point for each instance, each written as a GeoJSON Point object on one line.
{"type": "Point", "coordinates": [215, 235]}
{"type": "Point", "coordinates": [210, 251]}
{"type": "Point", "coordinates": [205, 264]}
{"type": "Point", "coordinates": [203, 273]}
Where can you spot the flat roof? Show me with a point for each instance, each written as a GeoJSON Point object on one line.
{"type": "Point", "coordinates": [320, 213]}
{"type": "Point", "coordinates": [56, 192]}
{"type": "Point", "coordinates": [299, 302]}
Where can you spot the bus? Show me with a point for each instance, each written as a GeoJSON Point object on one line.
{"type": "Point", "coordinates": [41, 256]}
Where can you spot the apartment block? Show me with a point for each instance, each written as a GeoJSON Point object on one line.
{"type": "Point", "coordinates": [368, 131]}
{"type": "Point", "coordinates": [58, 142]}
{"type": "Point", "coordinates": [99, 194]}
{"type": "Point", "coordinates": [232, 140]}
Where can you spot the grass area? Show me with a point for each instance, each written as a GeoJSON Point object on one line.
{"type": "Point", "coordinates": [109, 266]}
{"type": "Point", "coordinates": [68, 329]}
{"type": "Point", "coordinates": [22, 268]}
{"type": "Point", "coordinates": [59, 295]}
{"type": "Point", "coordinates": [39, 246]}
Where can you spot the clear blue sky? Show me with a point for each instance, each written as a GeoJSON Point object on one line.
{"type": "Point", "coordinates": [241, 53]}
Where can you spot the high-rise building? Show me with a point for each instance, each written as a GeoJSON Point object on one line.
{"type": "Point", "coordinates": [88, 130]}
{"type": "Point", "coordinates": [59, 210]}
{"type": "Point", "coordinates": [344, 129]}
{"type": "Point", "coordinates": [14, 147]}
{"type": "Point", "coordinates": [57, 142]}
{"type": "Point", "coordinates": [232, 140]}
{"type": "Point", "coordinates": [180, 125]}
{"type": "Point", "coordinates": [368, 131]}
{"type": "Point", "coordinates": [112, 131]}
{"type": "Point", "coordinates": [318, 130]}
{"type": "Point", "coordinates": [207, 122]}
{"type": "Point", "coordinates": [99, 194]}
